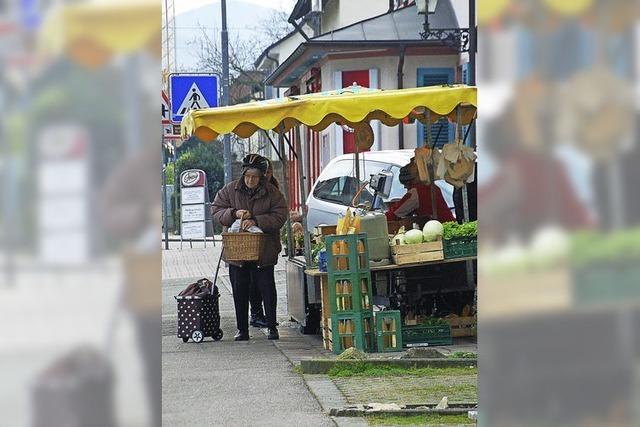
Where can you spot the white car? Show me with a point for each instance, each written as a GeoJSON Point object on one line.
{"type": "Point", "coordinates": [335, 189]}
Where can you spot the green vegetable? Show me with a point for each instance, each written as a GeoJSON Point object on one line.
{"type": "Point", "coordinates": [413, 237]}
{"type": "Point", "coordinates": [454, 230]}
{"type": "Point", "coordinates": [398, 239]}
{"type": "Point", "coordinates": [432, 230]}
{"type": "Point", "coordinates": [589, 247]}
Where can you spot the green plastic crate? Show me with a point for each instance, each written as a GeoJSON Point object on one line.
{"type": "Point", "coordinates": [460, 247]}
{"type": "Point", "coordinates": [353, 260]}
{"type": "Point", "coordinates": [388, 331]}
{"type": "Point", "coordinates": [349, 292]}
{"type": "Point", "coordinates": [356, 330]}
{"type": "Point", "coordinates": [423, 334]}
{"type": "Point", "coordinates": [606, 283]}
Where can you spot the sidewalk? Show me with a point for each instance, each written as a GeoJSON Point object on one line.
{"type": "Point", "coordinates": [230, 383]}
{"type": "Point", "coordinates": [255, 383]}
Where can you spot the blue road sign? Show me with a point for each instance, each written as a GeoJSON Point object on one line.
{"type": "Point", "coordinates": [190, 92]}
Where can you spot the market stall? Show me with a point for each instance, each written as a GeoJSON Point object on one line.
{"type": "Point", "coordinates": [355, 107]}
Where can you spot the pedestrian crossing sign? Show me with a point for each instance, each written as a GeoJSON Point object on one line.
{"type": "Point", "coordinates": [191, 92]}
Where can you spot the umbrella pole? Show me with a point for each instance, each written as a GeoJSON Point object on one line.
{"type": "Point", "coordinates": [285, 191]}
{"type": "Point", "coordinates": [273, 144]}
{"type": "Point", "coordinates": [430, 145]}
{"type": "Point", "coordinates": [465, 198]}
{"type": "Point", "coordinates": [357, 153]}
{"type": "Point", "coordinates": [303, 199]}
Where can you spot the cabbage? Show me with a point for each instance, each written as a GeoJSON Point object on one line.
{"type": "Point", "coordinates": [432, 230]}
{"type": "Point", "coordinates": [413, 236]}
{"type": "Point", "coordinates": [398, 239]}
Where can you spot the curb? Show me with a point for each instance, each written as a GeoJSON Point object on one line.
{"type": "Point", "coordinates": [323, 366]}
{"type": "Point", "coordinates": [364, 410]}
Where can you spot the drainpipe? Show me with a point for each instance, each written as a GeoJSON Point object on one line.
{"type": "Point", "coordinates": [391, 5]}
{"type": "Point", "coordinates": [401, 86]}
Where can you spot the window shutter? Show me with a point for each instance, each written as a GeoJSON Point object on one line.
{"type": "Point", "coordinates": [442, 126]}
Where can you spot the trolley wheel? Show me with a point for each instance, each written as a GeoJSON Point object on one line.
{"type": "Point", "coordinates": [185, 339]}
{"type": "Point", "coordinates": [217, 335]}
{"type": "Point", "coordinates": [197, 336]}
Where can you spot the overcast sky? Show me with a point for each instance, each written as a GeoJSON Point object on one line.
{"type": "Point", "coordinates": [186, 5]}
{"type": "Point", "coordinates": [460, 6]}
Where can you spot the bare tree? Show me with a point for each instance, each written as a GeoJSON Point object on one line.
{"type": "Point", "coordinates": [244, 80]}
{"type": "Point", "coordinates": [274, 27]}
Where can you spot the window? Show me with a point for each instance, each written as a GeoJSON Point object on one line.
{"type": "Point", "coordinates": [442, 130]}
{"type": "Point", "coordinates": [337, 190]}
{"type": "Point", "coordinates": [338, 184]}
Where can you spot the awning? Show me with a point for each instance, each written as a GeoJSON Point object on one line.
{"type": "Point", "coordinates": [91, 33]}
{"type": "Point", "coordinates": [346, 106]}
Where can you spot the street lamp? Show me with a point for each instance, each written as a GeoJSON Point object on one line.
{"type": "Point", "coordinates": [426, 8]}
{"type": "Point", "coordinates": [424, 5]}
{"type": "Point", "coordinates": [453, 37]}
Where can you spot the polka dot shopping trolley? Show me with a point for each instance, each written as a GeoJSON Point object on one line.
{"type": "Point", "coordinates": [199, 311]}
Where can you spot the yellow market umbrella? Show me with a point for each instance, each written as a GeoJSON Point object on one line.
{"type": "Point", "coordinates": [317, 111]}
{"type": "Point", "coordinates": [91, 33]}
{"type": "Point", "coordinates": [489, 10]}
{"type": "Point", "coordinates": [569, 8]}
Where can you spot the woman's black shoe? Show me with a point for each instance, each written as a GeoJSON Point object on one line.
{"type": "Point", "coordinates": [241, 336]}
{"type": "Point", "coordinates": [273, 334]}
{"type": "Point", "coordinates": [258, 322]}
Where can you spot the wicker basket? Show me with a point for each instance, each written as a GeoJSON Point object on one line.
{"type": "Point", "coordinates": [242, 246]}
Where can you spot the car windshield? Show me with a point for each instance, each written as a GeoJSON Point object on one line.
{"type": "Point", "coordinates": [338, 185]}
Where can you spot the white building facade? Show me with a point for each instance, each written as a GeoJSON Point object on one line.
{"type": "Point", "coordinates": [375, 44]}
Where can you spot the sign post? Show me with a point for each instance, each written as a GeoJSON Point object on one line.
{"type": "Point", "coordinates": [192, 92]}
{"type": "Point", "coordinates": [193, 199]}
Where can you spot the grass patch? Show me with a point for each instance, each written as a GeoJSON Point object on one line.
{"type": "Point", "coordinates": [298, 369]}
{"type": "Point", "coordinates": [463, 355]}
{"type": "Point", "coordinates": [416, 420]}
{"type": "Point", "coordinates": [369, 370]}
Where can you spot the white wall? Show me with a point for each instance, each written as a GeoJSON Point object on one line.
{"type": "Point", "coordinates": [340, 13]}
{"type": "Point", "coordinates": [285, 48]}
{"type": "Point", "coordinates": [387, 67]}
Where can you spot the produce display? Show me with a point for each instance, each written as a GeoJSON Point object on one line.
{"type": "Point", "coordinates": [454, 230]}
{"type": "Point", "coordinates": [432, 231]}
{"type": "Point", "coordinates": [592, 247]}
{"type": "Point", "coordinates": [413, 236]}
{"type": "Point", "coordinates": [399, 239]}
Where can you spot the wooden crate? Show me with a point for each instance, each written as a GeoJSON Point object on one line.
{"type": "Point", "coordinates": [463, 326]}
{"type": "Point", "coordinates": [327, 230]}
{"type": "Point", "coordinates": [421, 252]}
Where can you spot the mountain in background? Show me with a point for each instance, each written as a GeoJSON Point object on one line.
{"type": "Point", "coordinates": [243, 21]}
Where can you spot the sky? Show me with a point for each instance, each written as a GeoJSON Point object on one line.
{"type": "Point", "coordinates": [186, 5]}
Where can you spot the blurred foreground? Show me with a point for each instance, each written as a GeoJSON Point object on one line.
{"type": "Point", "coordinates": [558, 268]}
{"type": "Point", "coordinates": [79, 216]}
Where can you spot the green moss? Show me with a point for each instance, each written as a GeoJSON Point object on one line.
{"type": "Point", "coordinates": [369, 370]}
{"type": "Point", "coordinates": [463, 355]}
{"type": "Point", "coordinates": [416, 420]}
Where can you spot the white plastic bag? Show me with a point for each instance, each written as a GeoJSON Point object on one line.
{"type": "Point", "coordinates": [236, 227]}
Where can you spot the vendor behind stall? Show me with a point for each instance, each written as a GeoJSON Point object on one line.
{"type": "Point", "coordinates": [417, 201]}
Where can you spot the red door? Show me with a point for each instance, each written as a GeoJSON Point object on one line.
{"type": "Point", "coordinates": [361, 78]}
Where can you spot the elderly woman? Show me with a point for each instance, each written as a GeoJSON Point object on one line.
{"type": "Point", "coordinates": [255, 202]}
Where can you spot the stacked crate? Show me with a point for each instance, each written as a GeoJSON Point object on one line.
{"type": "Point", "coordinates": [388, 331]}
{"type": "Point", "coordinates": [350, 293]}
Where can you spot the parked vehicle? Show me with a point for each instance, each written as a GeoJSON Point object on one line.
{"type": "Point", "coordinates": [336, 188]}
